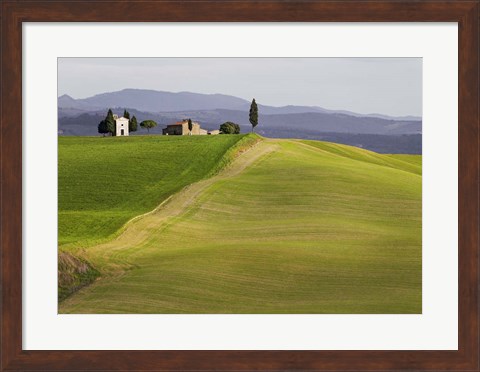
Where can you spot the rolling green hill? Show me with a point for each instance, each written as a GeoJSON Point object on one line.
{"type": "Point", "coordinates": [104, 182]}
{"type": "Point", "coordinates": [289, 227]}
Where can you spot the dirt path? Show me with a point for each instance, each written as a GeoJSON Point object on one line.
{"type": "Point", "coordinates": [141, 228]}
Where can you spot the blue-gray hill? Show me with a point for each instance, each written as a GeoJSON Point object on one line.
{"type": "Point", "coordinates": [381, 133]}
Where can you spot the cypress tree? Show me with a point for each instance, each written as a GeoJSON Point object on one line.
{"type": "Point", "coordinates": [190, 126]}
{"type": "Point", "coordinates": [126, 114]}
{"type": "Point", "coordinates": [103, 128]}
{"type": "Point", "coordinates": [133, 124]}
{"type": "Point", "coordinates": [253, 114]}
{"type": "Point", "coordinates": [110, 122]}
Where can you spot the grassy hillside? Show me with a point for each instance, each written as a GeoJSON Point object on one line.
{"type": "Point", "coordinates": [104, 182]}
{"type": "Point", "coordinates": [289, 227]}
{"type": "Point", "coordinates": [408, 163]}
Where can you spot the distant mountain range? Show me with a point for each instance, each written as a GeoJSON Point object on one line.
{"type": "Point", "coordinates": [81, 117]}
{"type": "Point", "coordinates": [158, 101]}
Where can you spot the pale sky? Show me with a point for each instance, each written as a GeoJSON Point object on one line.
{"type": "Point", "coordinates": [391, 86]}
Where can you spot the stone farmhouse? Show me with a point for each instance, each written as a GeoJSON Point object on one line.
{"type": "Point", "coordinates": [180, 128]}
{"type": "Point", "coordinates": [121, 125]}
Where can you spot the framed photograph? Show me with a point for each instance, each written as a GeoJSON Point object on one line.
{"type": "Point", "coordinates": [239, 185]}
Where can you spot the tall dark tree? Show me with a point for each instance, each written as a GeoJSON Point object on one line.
{"type": "Point", "coordinates": [190, 126]}
{"type": "Point", "coordinates": [103, 128]}
{"type": "Point", "coordinates": [253, 116]}
{"type": "Point", "coordinates": [126, 114]}
{"type": "Point", "coordinates": [132, 124]}
{"type": "Point", "coordinates": [148, 124]}
{"type": "Point", "coordinates": [110, 122]}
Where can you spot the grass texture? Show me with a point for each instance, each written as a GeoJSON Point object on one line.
{"type": "Point", "coordinates": [104, 182]}
{"type": "Point", "coordinates": [287, 227]}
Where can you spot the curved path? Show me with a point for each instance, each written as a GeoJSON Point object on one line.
{"type": "Point", "coordinates": [286, 228]}
{"type": "Point", "coordinates": [113, 256]}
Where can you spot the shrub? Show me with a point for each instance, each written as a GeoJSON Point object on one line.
{"type": "Point", "coordinates": [229, 128]}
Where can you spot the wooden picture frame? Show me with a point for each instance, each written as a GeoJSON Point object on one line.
{"type": "Point", "coordinates": [14, 13]}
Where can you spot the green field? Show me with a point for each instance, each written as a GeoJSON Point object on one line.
{"type": "Point", "coordinates": [104, 182]}
{"type": "Point", "coordinates": [289, 227]}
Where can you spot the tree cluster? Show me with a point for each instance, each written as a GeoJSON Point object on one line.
{"type": "Point", "coordinates": [132, 123]}
{"type": "Point", "coordinates": [232, 128]}
{"type": "Point", "coordinates": [229, 128]}
{"type": "Point", "coordinates": [107, 125]}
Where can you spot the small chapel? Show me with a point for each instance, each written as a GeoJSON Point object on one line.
{"type": "Point", "coordinates": [121, 125]}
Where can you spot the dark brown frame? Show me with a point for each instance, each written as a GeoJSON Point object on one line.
{"type": "Point", "coordinates": [13, 13]}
